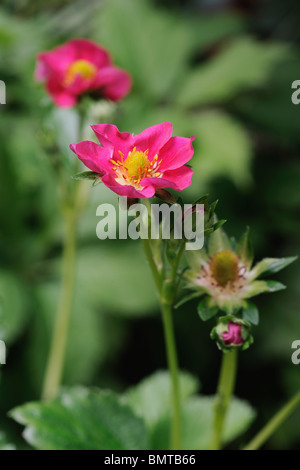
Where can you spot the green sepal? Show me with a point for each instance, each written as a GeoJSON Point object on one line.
{"type": "Point", "coordinates": [213, 207]}
{"type": "Point", "coordinates": [206, 311]}
{"type": "Point", "coordinates": [165, 196]}
{"type": "Point", "coordinates": [258, 287]}
{"type": "Point", "coordinates": [245, 249]}
{"type": "Point", "coordinates": [87, 175]}
{"type": "Point", "coordinates": [271, 266]}
{"type": "Point", "coordinates": [218, 241]}
{"type": "Point", "coordinates": [187, 298]}
{"type": "Point", "coordinates": [219, 224]}
{"type": "Point", "coordinates": [250, 313]}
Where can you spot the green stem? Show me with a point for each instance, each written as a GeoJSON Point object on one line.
{"type": "Point", "coordinates": [153, 267]}
{"type": "Point", "coordinates": [273, 424]}
{"type": "Point", "coordinates": [224, 394]}
{"type": "Point", "coordinates": [166, 289]}
{"type": "Point", "coordinates": [166, 309]}
{"type": "Point", "coordinates": [54, 369]}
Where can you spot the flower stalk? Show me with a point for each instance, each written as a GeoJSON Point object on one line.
{"type": "Point", "coordinates": [257, 442]}
{"type": "Point", "coordinates": [57, 353]}
{"type": "Point", "coordinates": [166, 288]}
{"type": "Point", "coordinates": [166, 310]}
{"type": "Point", "coordinates": [73, 201]}
{"type": "Point", "coordinates": [224, 394]}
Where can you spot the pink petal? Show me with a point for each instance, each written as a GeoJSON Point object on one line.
{"type": "Point", "coordinates": [96, 158]}
{"type": "Point", "coordinates": [113, 82]}
{"type": "Point", "coordinates": [59, 59]}
{"type": "Point", "coordinates": [88, 50]}
{"type": "Point", "coordinates": [64, 100]}
{"type": "Point", "coordinates": [176, 152]}
{"type": "Point", "coordinates": [178, 179]}
{"type": "Point", "coordinates": [153, 138]}
{"type": "Point", "coordinates": [59, 94]}
{"type": "Point", "coordinates": [122, 141]}
{"type": "Point", "coordinates": [124, 190]}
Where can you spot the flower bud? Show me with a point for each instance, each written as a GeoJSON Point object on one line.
{"type": "Point", "coordinates": [232, 333]}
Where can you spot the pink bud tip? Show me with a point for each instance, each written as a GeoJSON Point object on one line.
{"type": "Point", "coordinates": [233, 335]}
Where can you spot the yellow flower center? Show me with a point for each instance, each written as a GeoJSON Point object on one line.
{"type": "Point", "coordinates": [135, 167]}
{"type": "Point", "coordinates": [224, 267]}
{"type": "Point", "coordinates": [82, 68]}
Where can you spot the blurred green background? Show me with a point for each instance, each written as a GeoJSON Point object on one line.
{"type": "Point", "coordinates": [220, 70]}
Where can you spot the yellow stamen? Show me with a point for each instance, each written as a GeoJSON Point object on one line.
{"type": "Point", "coordinates": [82, 68]}
{"type": "Point", "coordinates": [135, 167]}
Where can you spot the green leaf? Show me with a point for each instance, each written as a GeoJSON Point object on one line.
{"type": "Point", "coordinates": [218, 241]}
{"type": "Point", "coordinates": [150, 399]}
{"type": "Point", "coordinates": [197, 424]}
{"type": "Point", "coordinates": [87, 175]}
{"type": "Point", "coordinates": [205, 311]}
{"type": "Point", "coordinates": [258, 287]}
{"type": "Point", "coordinates": [209, 29]}
{"type": "Point", "coordinates": [117, 277]}
{"type": "Point", "coordinates": [81, 419]}
{"type": "Point", "coordinates": [271, 266]}
{"type": "Point", "coordinates": [130, 45]}
{"type": "Point", "coordinates": [245, 249]}
{"type": "Point", "coordinates": [222, 148]}
{"type": "Point", "coordinates": [261, 109]}
{"type": "Point", "coordinates": [251, 314]}
{"type": "Point", "coordinates": [244, 64]}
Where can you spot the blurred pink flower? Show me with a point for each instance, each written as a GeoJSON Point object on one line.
{"type": "Point", "coordinates": [135, 166]}
{"type": "Point", "coordinates": [77, 67]}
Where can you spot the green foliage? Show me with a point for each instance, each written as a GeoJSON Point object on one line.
{"type": "Point", "coordinates": [197, 423]}
{"type": "Point", "coordinates": [5, 444]}
{"type": "Point", "coordinates": [230, 90]}
{"type": "Point", "coordinates": [13, 311]}
{"type": "Point", "coordinates": [150, 399]}
{"type": "Point", "coordinates": [92, 419]}
{"type": "Point", "coordinates": [245, 63]}
{"type": "Point", "coordinates": [82, 419]}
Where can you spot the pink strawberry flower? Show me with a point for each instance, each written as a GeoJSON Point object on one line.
{"type": "Point", "coordinates": [77, 67]}
{"type": "Point", "coordinates": [137, 166]}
